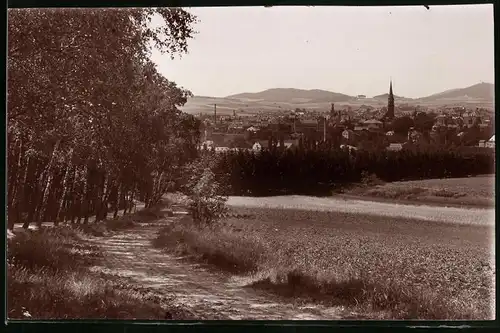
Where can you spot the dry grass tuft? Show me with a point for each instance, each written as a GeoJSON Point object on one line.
{"type": "Point", "coordinates": [222, 247]}
{"type": "Point", "coordinates": [47, 294]}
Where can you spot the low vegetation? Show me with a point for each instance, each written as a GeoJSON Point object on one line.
{"type": "Point", "coordinates": [47, 277]}
{"type": "Point", "coordinates": [472, 191]}
{"type": "Point", "coordinates": [409, 269]}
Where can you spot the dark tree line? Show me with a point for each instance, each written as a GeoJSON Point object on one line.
{"type": "Point", "coordinates": [317, 171]}
{"type": "Point", "coordinates": [91, 124]}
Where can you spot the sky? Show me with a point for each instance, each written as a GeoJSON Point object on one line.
{"type": "Point", "coordinates": [350, 50]}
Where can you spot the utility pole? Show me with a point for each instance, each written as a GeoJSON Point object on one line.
{"type": "Point", "coordinates": [324, 129]}
{"type": "Point", "coordinates": [215, 114]}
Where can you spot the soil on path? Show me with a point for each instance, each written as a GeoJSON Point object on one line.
{"type": "Point", "coordinates": [129, 254]}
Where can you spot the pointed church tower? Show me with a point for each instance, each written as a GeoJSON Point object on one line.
{"type": "Point", "coordinates": [390, 104]}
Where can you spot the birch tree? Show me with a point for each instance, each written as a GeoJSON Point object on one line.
{"type": "Point", "coordinates": [86, 109]}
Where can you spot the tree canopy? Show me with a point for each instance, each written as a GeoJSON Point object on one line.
{"type": "Point", "coordinates": [88, 110]}
{"type": "Point", "coordinates": [401, 125]}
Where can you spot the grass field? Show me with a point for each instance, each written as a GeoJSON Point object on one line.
{"type": "Point", "coordinates": [474, 191]}
{"type": "Point", "coordinates": [47, 277]}
{"type": "Point", "coordinates": [381, 266]}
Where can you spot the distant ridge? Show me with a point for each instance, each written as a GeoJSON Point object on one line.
{"type": "Point", "coordinates": [483, 90]}
{"type": "Point", "coordinates": [271, 100]}
{"type": "Point", "coordinates": [294, 95]}
{"type": "Point", "coordinates": [385, 96]}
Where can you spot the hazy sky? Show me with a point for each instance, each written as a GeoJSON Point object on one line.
{"type": "Point", "coordinates": [351, 50]}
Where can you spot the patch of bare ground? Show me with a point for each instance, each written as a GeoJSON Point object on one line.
{"type": "Point", "coordinates": [476, 191]}
{"type": "Point", "coordinates": [383, 267]}
{"type": "Point", "coordinates": [48, 276]}
{"type": "Point", "coordinates": [203, 291]}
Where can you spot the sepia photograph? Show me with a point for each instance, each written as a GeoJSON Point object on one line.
{"type": "Point", "coordinates": [251, 163]}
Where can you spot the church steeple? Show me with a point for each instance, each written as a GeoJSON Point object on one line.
{"type": "Point", "coordinates": [390, 103]}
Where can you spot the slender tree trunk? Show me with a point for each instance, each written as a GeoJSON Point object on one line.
{"type": "Point", "coordinates": [24, 194]}
{"type": "Point", "coordinates": [16, 188]}
{"type": "Point", "coordinates": [13, 169]}
{"type": "Point", "coordinates": [159, 188]}
{"type": "Point", "coordinates": [68, 201]}
{"type": "Point", "coordinates": [132, 201]}
{"type": "Point", "coordinates": [107, 196]}
{"type": "Point", "coordinates": [46, 188]}
{"type": "Point", "coordinates": [117, 201]}
{"type": "Point", "coordinates": [34, 195]}
{"type": "Point", "coordinates": [84, 204]}
{"type": "Point", "coordinates": [81, 195]}
{"type": "Point", "coordinates": [64, 194]}
{"type": "Point", "coordinates": [125, 198]}
{"type": "Point", "coordinates": [102, 211]}
{"type": "Point", "coordinates": [73, 194]}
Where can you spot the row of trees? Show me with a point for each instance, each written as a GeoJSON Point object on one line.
{"type": "Point", "coordinates": [91, 123]}
{"type": "Point", "coordinates": [275, 171]}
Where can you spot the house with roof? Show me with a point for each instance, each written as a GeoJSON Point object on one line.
{"type": "Point", "coordinates": [348, 147]}
{"type": "Point", "coordinates": [308, 124]}
{"type": "Point", "coordinates": [414, 136]}
{"type": "Point", "coordinates": [348, 134]}
{"type": "Point", "coordinates": [259, 145]}
{"type": "Point", "coordinates": [289, 144]}
{"type": "Point", "coordinates": [491, 142]}
{"type": "Point", "coordinates": [441, 120]}
{"type": "Point", "coordinates": [395, 146]}
{"type": "Point", "coordinates": [470, 118]}
{"type": "Point", "coordinates": [207, 144]}
{"type": "Point", "coordinates": [253, 129]}
{"type": "Point", "coordinates": [373, 124]}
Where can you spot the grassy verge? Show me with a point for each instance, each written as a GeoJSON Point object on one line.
{"type": "Point", "coordinates": [47, 277]}
{"type": "Point", "coordinates": [128, 221]}
{"type": "Point", "coordinates": [408, 269]}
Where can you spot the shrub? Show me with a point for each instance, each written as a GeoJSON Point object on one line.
{"type": "Point", "coordinates": [370, 179]}
{"type": "Point", "coordinates": [206, 206]}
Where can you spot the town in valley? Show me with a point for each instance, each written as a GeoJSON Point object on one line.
{"type": "Point", "coordinates": [359, 122]}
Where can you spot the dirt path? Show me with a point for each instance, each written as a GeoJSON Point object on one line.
{"type": "Point", "coordinates": [129, 254]}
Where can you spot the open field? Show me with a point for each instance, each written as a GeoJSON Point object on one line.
{"type": "Point", "coordinates": [473, 191]}
{"type": "Point", "coordinates": [452, 215]}
{"type": "Point", "coordinates": [382, 266]}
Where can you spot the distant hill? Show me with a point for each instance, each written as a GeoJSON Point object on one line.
{"type": "Point", "coordinates": [479, 95]}
{"type": "Point", "coordinates": [385, 96]}
{"type": "Point", "coordinates": [294, 95]}
{"type": "Point", "coordinates": [483, 91]}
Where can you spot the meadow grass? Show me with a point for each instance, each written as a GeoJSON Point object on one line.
{"type": "Point", "coordinates": [472, 191]}
{"type": "Point", "coordinates": [410, 269]}
{"type": "Point", "coordinates": [48, 277]}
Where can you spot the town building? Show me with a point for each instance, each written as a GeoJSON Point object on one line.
{"type": "Point", "coordinates": [491, 142]}
{"type": "Point", "coordinates": [373, 125]}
